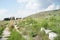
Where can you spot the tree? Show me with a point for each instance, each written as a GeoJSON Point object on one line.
{"type": "Point", "coordinates": [6, 19]}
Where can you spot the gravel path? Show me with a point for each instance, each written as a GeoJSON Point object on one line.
{"type": "Point", "coordinates": [5, 34]}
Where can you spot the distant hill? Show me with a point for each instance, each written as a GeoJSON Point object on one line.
{"type": "Point", "coordinates": [45, 13]}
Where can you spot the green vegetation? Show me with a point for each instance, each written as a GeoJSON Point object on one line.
{"type": "Point", "coordinates": [32, 25]}
{"type": "Point", "coordinates": [1, 30]}
{"type": "Point", "coordinates": [58, 37]}
{"type": "Point", "coordinates": [15, 36]}
{"type": "Point", "coordinates": [2, 26]}
{"type": "Point", "coordinates": [45, 14]}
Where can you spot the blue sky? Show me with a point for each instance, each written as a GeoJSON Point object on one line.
{"type": "Point", "coordinates": [23, 8]}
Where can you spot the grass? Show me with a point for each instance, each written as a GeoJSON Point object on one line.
{"type": "Point", "coordinates": [32, 28]}
{"type": "Point", "coordinates": [2, 26]}
{"type": "Point", "coordinates": [1, 30]}
{"type": "Point", "coordinates": [15, 36]}
{"type": "Point", "coordinates": [34, 25]}
{"type": "Point", "coordinates": [58, 37]}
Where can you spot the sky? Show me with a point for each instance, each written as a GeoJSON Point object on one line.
{"type": "Point", "coordinates": [23, 8]}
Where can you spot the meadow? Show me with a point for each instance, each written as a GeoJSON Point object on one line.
{"type": "Point", "coordinates": [29, 28]}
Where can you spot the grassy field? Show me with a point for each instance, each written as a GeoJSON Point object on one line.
{"type": "Point", "coordinates": [2, 26]}
{"type": "Point", "coordinates": [15, 36]}
{"type": "Point", "coordinates": [32, 25]}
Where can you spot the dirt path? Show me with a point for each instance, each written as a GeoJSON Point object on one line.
{"type": "Point", "coordinates": [5, 34]}
{"type": "Point", "coordinates": [25, 36]}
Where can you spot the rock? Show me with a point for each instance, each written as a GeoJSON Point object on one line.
{"type": "Point", "coordinates": [37, 38]}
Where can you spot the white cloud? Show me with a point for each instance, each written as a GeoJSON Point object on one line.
{"type": "Point", "coordinates": [3, 11]}
{"type": "Point", "coordinates": [20, 1]}
{"type": "Point", "coordinates": [51, 1]}
{"type": "Point", "coordinates": [32, 5]}
{"type": "Point", "coordinates": [24, 13]}
{"type": "Point", "coordinates": [53, 7]}
{"type": "Point", "coordinates": [58, 7]}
